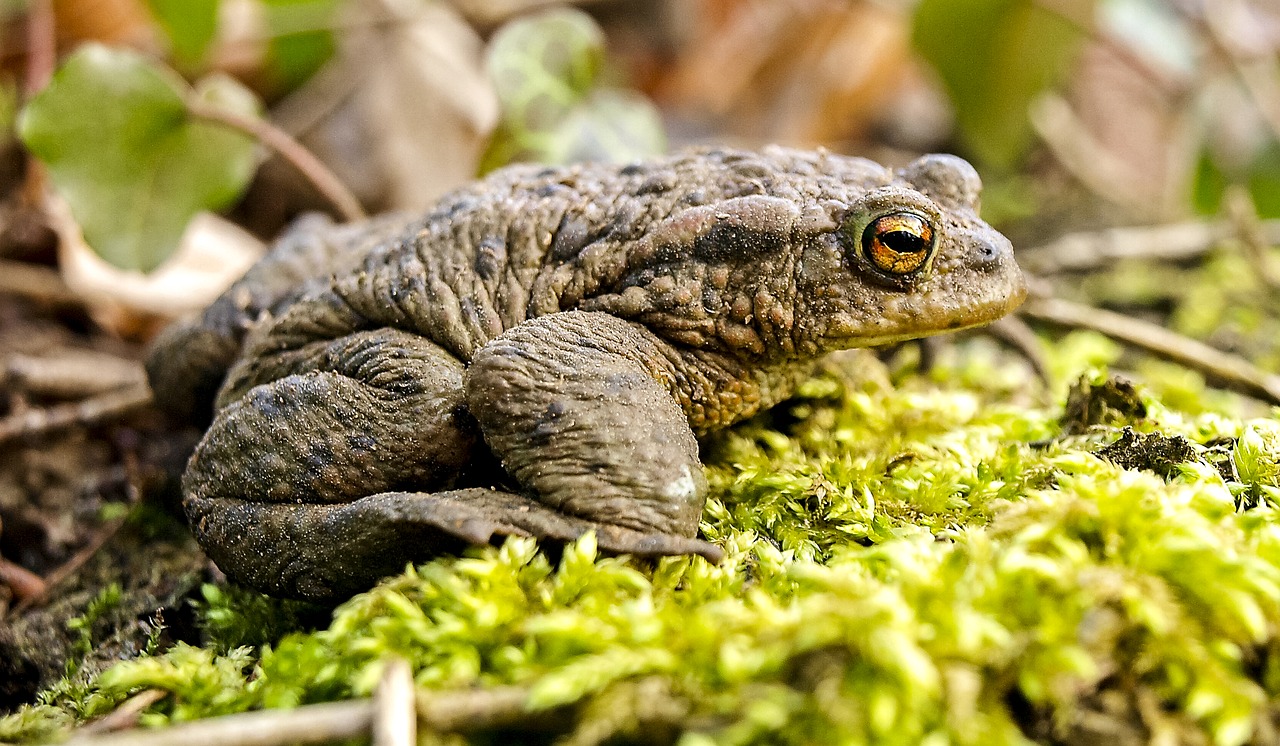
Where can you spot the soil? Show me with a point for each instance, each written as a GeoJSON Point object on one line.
{"type": "Point", "coordinates": [88, 509]}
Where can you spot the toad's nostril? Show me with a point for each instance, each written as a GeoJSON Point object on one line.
{"type": "Point", "coordinates": [987, 253]}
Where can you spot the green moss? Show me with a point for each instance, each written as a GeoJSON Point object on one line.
{"type": "Point", "coordinates": [930, 562]}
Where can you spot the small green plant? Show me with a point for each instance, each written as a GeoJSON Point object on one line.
{"type": "Point", "coordinates": [549, 73]}
{"type": "Point", "coordinates": [82, 625]}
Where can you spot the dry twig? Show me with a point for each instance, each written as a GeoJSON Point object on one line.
{"type": "Point", "coordinates": [310, 724]}
{"type": "Point", "coordinates": [457, 712]}
{"type": "Point", "coordinates": [484, 709]}
{"type": "Point", "coordinates": [1079, 252]}
{"type": "Point", "coordinates": [71, 374]}
{"type": "Point", "coordinates": [127, 714]}
{"type": "Point", "coordinates": [1226, 370]}
{"type": "Point", "coordinates": [87, 412]}
{"type": "Point", "coordinates": [36, 283]}
{"type": "Point", "coordinates": [395, 717]}
{"type": "Point", "coordinates": [63, 571]}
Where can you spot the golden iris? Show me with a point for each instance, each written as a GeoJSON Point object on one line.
{"type": "Point", "coordinates": [899, 243]}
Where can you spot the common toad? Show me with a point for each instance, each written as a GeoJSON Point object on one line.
{"type": "Point", "coordinates": [540, 352]}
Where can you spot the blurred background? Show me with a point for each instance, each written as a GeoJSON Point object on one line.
{"type": "Point", "coordinates": [1080, 114]}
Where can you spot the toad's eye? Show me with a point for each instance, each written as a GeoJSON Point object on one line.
{"type": "Point", "coordinates": [898, 243]}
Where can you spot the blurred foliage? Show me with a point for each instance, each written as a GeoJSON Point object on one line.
{"type": "Point", "coordinates": [300, 39]}
{"type": "Point", "coordinates": [299, 36]}
{"type": "Point", "coordinates": [994, 57]}
{"type": "Point", "coordinates": [134, 166]}
{"type": "Point", "coordinates": [8, 109]}
{"type": "Point", "coordinates": [1259, 172]}
{"type": "Point", "coordinates": [547, 71]}
{"type": "Point", "coordinates": [190, 26]}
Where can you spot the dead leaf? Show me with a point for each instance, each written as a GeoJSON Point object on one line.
{"type": "Point", "coordinates": [124, 22]}
{"type": "Point", "coordinates": [401, 114]}
{"type": "Point", "coordinates": [428, 104]}
{"type": "Point", "coordinates": [212, 254]}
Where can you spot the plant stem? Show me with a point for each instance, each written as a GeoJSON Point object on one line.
{"type": "Point", "coordinates": [1226, 370]}
{"type": "Point", "coordinates": [324, 180]}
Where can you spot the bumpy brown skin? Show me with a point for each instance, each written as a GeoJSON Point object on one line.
{"type": "Point", "coordinates": [584, 325]}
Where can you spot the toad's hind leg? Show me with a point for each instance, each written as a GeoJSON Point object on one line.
{"type": "Point", "coordinates": [277, 473]}
{"type": "Point", "coordinates": [337, 420]}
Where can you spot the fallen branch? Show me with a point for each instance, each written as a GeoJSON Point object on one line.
{"type": "Point", "coordinates": [1219, 368]}
{"type": "Point", "coordinates": [310, 724]}
{"type": "Point", "coordinates": [126, 715]}
{"type": "Point", "coordinates": [324, 180]}
{"type": "Point", "coordinates": [87, 412]}
{"type": "Point", "coordinates": [485, 709]}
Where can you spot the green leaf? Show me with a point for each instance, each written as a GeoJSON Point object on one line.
{"type": "Point", "coordinates": [190, 26]}
{"type": "Point", "coordinates": [1208, 184]}
{"type": "Point", "coordinates": [994, 57]}
{"type": "Point", "coordinates": [543, 65]}
{"type": "Point", "coordinates": [301, 39]}
{"type": "Point", "coordinates": [1259, 174]}
{"type": "Point", "coordinates": [611, 125]}
{"type": "Point", "coordinates": [113, 129]}
{"type": "Point", "coordinates": [546, 69]}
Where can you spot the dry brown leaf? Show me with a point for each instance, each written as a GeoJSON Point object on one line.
{"type": "Point", "coordinates": [213, 252]}
{"type": "Point", "coordinates": [428, 103]}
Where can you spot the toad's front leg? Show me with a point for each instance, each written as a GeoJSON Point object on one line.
{"type": "Point", "coordinates": [579, 408]}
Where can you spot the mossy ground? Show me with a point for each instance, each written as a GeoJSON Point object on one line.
{"type": "Point", "coordinates": [922, 560]}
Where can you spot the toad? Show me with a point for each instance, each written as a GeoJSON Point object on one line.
{"type": "Point", "coordinates": [541, 351]}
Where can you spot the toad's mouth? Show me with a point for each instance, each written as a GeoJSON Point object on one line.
{"type": "Point", "coordinates": [844, 331]}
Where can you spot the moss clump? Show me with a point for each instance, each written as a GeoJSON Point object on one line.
{"type": "Point", "coordinates": [926, 563]}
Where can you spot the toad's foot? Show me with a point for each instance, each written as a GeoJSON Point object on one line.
{"type": "Point", "coordinates": [321, 552]}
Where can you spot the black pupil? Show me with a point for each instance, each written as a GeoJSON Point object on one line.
{"type": "Point", "coordinates": [903, 242]}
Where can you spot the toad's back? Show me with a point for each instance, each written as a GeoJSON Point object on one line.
{"type": "Point", "coordinates": [530, 241]}
{"type": "Point", "coordinates": [524, 242]}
